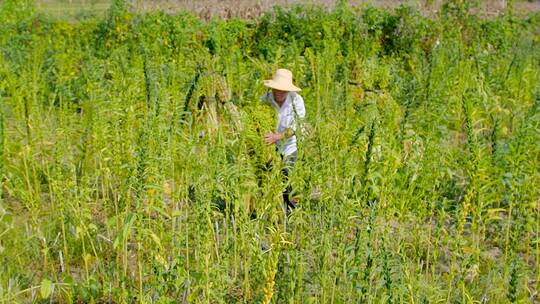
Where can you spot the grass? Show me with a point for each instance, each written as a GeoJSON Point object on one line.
{"type": "Point", "coordinates": [72, 9]}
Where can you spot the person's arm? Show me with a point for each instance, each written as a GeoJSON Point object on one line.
{"type": "Point", "coordinates": [289, 132]}
{"type": "Point", "coordinates": [298, 111]}
{"type": "Point", "coordinates": [298, 114]}
{"type": "Point", "coordinates": [273, 137]}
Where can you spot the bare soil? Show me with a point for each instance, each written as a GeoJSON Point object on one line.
{"type": "Point", "coordinates": [253, 8]}
{"type": "Point", "coordinates": [206, 9]}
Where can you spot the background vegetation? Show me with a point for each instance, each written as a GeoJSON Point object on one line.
{"type": "Point", "coordinates": [132, 162]}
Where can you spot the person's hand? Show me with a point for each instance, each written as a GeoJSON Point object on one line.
{"type": "Point", "coordinates": [271, 138]}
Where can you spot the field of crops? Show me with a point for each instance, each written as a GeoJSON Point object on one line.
{"type": "Point", "coordinates": [133, 167]}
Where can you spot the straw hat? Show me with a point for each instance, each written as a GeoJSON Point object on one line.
{"type": "Point", "coordinates": [282, 81]}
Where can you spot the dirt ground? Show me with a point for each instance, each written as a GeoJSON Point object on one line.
{"type": "Point", "coordinates": [252, 8]}
{"type": "Point", "coordinates": [207, 9]}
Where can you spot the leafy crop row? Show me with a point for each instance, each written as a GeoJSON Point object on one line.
{"type": "Point", "coordinates": [133, 167]}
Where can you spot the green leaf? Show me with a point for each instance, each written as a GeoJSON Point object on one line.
{"type": "Point", "coordinates": [46, 288]}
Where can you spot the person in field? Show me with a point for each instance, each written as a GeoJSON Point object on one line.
{"type": "Point", "coordinates": [290, 111]}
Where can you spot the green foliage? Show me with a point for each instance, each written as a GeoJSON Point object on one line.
{"type": "Point", "coordinates": [133, 166]}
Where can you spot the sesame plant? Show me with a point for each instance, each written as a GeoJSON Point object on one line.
{"type": "Point", "coordinates": [133, 167]}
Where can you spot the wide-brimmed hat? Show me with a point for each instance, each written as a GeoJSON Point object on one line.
{"type": "Point", "coordinates": [282, 81]}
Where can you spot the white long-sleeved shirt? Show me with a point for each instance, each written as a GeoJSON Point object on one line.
{"type": "Point", "coordinates": [292, 108]}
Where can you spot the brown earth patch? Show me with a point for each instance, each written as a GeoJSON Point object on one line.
{"type": "Point", "coordinates": [207, 9]}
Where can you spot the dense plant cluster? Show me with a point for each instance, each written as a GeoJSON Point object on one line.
{"type": "Point", "coordinates": [133, 167]}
